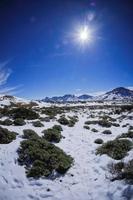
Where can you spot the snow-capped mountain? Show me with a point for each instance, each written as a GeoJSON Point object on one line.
{"type": "Point", "coordinates": [119, 93]}
{"type": "Point", "coordinates": [68, 98]}
{"type": "Point", "coordinates": [6, 100]}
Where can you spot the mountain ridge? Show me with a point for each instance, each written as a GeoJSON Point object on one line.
{"type": "Point", "coordinates": [119, 93]}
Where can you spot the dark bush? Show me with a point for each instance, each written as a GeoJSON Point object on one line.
{"type": "Point", "coordinates": [52, 135]}
{"type": "Point", "coordinates": [19, 122]}
{"type": "Point", "coordinates": [7, 122]}
{"type": "Point", "coordinates": [91, 122]}
{"type": "Point", "coordinates": [94, 130]}
{"type": "Point", "coordinates": [52, 111]}
{"type": "Point", "coordinates": [87, 127]}
{"type": "Point", "coordinates": [71, 122]}
{"type": "Point", "coordinates": [42, 158]}
{"type": "Point", "coordinates": [62, 120]}
{"type": "Point", "coordinates": [116, 149]}
{"type": "Point", "coordinates": [57, 127]}
{"type": "Point", "coordinates": [6, 136]}
{"type": "Point", "coordinates": [37, 124]}
{"type": "Point", "coordinates": [121, 171]}
{"type": "Point", "coordinates": [24, 113]}
{"type": "Point", "coordinates": [105, 123]}
{"type": "Point", "coordinates": [45, 119]}
{"type": "Point", "coordinates": [107, 132]}
{"type": "Point", "coordinates": [129, 134]}
{"type": "Point", "coordinates": [29, 133]}
{"type": "Point", "coordinates": [98, 141]}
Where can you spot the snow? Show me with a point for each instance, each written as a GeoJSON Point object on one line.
{"type": "Point", "coordinates": [87, 179]}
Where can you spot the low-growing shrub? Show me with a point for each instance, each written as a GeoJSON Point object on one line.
{"type": "Point", "coordinates": [129, 134]}
{"type": "Point", "coordinates": [6, 136]}
{"type": "Point", "coordinates": [105, 123]}
{"type": "Point", "coordinates": [52, 135]}
{"type": "Point", "coordinates": [94, 122]}
{"type": "Point", "coordinates": [87, 127]}
{"type": "Point", "coordinates": [98, 141]}
{"type": "Point", "coordinates": [62, 120]}
{"type": "Point", "coordinates": [107, 132]}
{"type": "Point", "coordinates": [6, 122]}
{"type": "Point", "coordinates": [42, 158]}
{"type": "Point", "coordinates": [94, 130]}
{"type": "Point", "coordinates": [116, 149]}
{"type": "Point", "coordinates": [19, 122]}
{"type": "Point", "coordinates": [37, 124]}
{"type": "Point", "coordinates": [29, 133]}
{"type": "Point", "coordinates": [121, 171]}
{"type": "Point", "coordinates": [52, 111]}
{"type": "Point", "coordinates": [45, 119]}
{"type": "Point", "coordinates": [24, 113]}
{"type": "Point", "coordinates": [57, 127]}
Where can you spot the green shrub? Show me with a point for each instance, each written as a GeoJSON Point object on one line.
{"type": "Point", "coordinates": [52, 135]}
{"type": "Point", "coordinates": [42, 158]}
{"type": "Point", "coordinates": [57, 127]}
{"type": "Point", "coordinates": [87, 127]}
{"type": "Point", "coordinates": [45, 119]}
{"type": "Point", "coordinates": [7, 122]}
{"type": "Point", "coordinates": [71, 122]}
{"type": "Point", "coordinates": [105, 123]}
{"type": "Point", "coordinates": [115, 124]}
{"type": "Point", "coordinates": [94, 122]}
{"type": "Point", "coordinates": [130, 128]}
{"type": "Point", "coordinates": [116, 149]}
{"type": "Point", "coordinates": [6, 136]}
{"type": "Point", "coordinates": [121, 171]}
{"type": "Point", "coordinates": [37, 124]}
{"type": "Point", "coordinates": [62, 120]}
{"type": "Point", "coordinates": [107, 132]}
{"type": "Point", "coordinates": [29, 133]}
{"type": "Point", "coordinates": [94, 130]}
{"type": "Point", "coordinates": [24, 113]}
{"type": "Point", "coordinates": [19, 122]}
{"type": "Point", "coordinates": [98, 141]}
{"type": "Point", "coordinates": [52, 111]}
{"type": "Point", "coordinates": [126, 135]}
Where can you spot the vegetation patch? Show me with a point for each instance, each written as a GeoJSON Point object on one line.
{"type": "Point", "coordinates": [53, 134]}
{"type": "Point", "coordinates": [19, 122]}
{"type": "Point", "coordinates": [98, 141]}
{"type": "Point", "coordinates": [107, 132]}
{"type": "Point", "coordinates": [24, 113]}
{"type": "Point", "coordinates": [43, 159]}
{"type": "Point", "coordinates": [87, 127]}
{"type": "Point", "coordinates": [6, 136]}
{"type": "Point", "coordinates": [69, 122]}
{"type": "Point", "coordinates": [45, 119]}
{"type": "Point", "coordinates": [29, 133]}
{"type": "Point", "coordinates": [122, 171]}
{"type": "Point", "coordinates": [116, 149]}
{"type": "Point", "coordinates": [129, 134]}
{"type": "Point", "coordinates": [37, 124]}
{"type": "Point", "coordinates": [94, 130]}
{"type": "Point", "coordinates": [52, 111]}
{"type": "Point", "coordinates": [6, 122]}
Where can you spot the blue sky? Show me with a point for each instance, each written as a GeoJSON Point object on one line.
{"type": "Point", "coordinates": [38, 56]}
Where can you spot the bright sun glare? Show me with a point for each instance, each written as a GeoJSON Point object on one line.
{"type": "Point", "coordinates": [83, 35]}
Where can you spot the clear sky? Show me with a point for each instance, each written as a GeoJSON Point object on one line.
{"type": "Point", "coordinates": [41, 56]}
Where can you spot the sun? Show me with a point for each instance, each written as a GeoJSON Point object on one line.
{"type": "Point", "coordinates": [84, 34]}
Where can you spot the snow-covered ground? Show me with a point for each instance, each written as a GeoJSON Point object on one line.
{"type": "Point", "coordinates": [87, 179]}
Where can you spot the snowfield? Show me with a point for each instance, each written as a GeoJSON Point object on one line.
{"type": "Point", "coordinates": [87, 179]}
